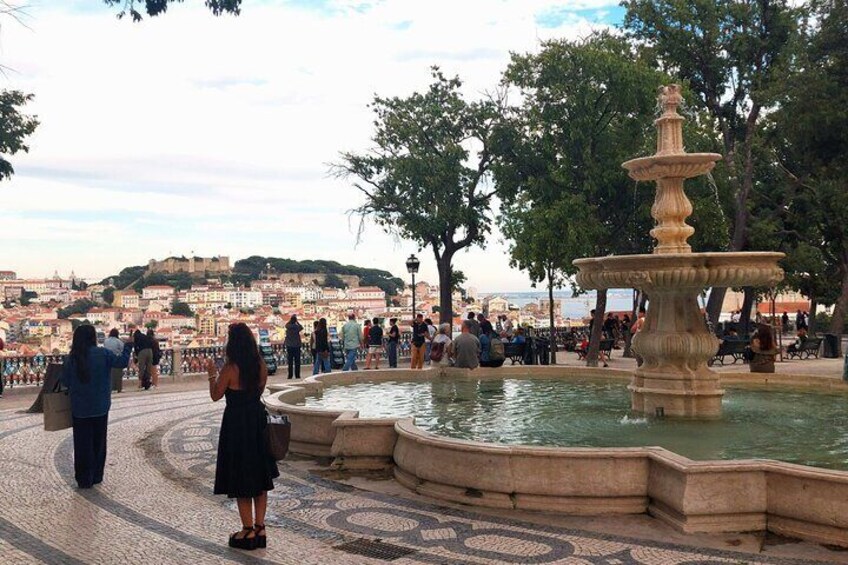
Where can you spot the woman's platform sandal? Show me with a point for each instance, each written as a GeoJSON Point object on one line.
{"type": "Point", "coordinates": [261, 539]}
{"type": "Point", "coordinates": [244, 542]}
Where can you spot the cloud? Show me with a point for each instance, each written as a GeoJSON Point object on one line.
{"type": "Point", "coordinates": [190, 132]}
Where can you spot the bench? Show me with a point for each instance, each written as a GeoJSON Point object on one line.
{"type": "Point", "coordinates": [734, 348]}
{"type": "Point", "coordinates": [515, 352]}
{"type": "Point", "coordinates": [605, 346]}
{"type": "Point", "coordinates": [810, 348]}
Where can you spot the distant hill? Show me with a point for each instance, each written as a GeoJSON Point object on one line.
{"type": "Point", "coordinates": [252, 268]}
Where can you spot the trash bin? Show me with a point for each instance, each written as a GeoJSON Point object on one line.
{"type": "Point", "coordinates": [543, 351]}
{"type": "Point", "coordinates": [832, 346]}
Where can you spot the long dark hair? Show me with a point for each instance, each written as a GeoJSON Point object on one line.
{"type": "Point", "coordinates": [85, 337]}
{"type": "Point", "coordinates": [764, 337]}
{"type": "Point", "coordinates": [243, 352]}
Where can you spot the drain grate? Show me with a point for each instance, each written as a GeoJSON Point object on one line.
{"type": "Point", "coordinates": [376, 549]}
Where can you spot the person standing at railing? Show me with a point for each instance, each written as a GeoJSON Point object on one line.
{"type": "Point", "coordinates": [87, 375]}
{"type": "Point", "coordinates": [144, 358]}
{"type": "Point", "coordinates": [351, 338]}
{"type": "Point", "coordinates": [392, 344]}
{"type": "Point", "coordinates": [419, 342]}
{"type": "Point", "coordinates": [321, 354]}
{"type": "Point", "coordinates": [114, 344]}
{"type": "Point", "coordinates": [293, 346]}
{"type": "Point", "coordinates": [375, 344]}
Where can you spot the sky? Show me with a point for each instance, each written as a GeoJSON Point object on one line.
{"type": "Point", "coordinates": [195, 134]}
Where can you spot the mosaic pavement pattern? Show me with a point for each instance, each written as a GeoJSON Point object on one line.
{"type": "Point", "coordinates": [155, 506]}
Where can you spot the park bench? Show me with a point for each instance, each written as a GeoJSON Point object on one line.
{"type": "Point", "coordinates": [734, 348]}
{"type": "Point", "coordinates": [605, 346]}
{"type": "Point", "coordinates": [515, 352]}
{"type": "Point", "coordinates": [810, 348]}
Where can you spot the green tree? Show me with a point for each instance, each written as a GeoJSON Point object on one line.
{"type": "Point", "coordinates": [334, 281]}
{"type": "Point", "coordinates": [810, 140]}
{"type": "Point", "coordinates": [81, 306]}
{"type": "Point", "coordinates": [134, 8]}
{"type": "Point", "coordinates": [733, 55]}
{"type": "Point", "coordinates": [425, 178]}
{"type": "Point", "coordinates": [109, 295]}
{"type": "Point", "coordinates": [587, 107]}
{"type": "Point", "coordinates": [152, 324]}
{"type": "Point", "coordinates": [181, 309]}
{"type": "Point", "coordinates": [15, 127]}
{"type": "Point", "coordinates": [27, 297]}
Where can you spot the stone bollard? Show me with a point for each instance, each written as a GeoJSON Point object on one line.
{"type": "Point", "coordinates": [177, 363]}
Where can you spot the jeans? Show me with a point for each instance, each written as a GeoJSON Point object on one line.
{"type": "Point", "coordinates": [392, 347]}
{"type": "Point", "coordinates": [418, 355]}
{"type": "Point", "coordinates": [293, 360]}
{"type": "Point", "coordinates": [89, 450]}
{"type": "Point", "coordinates": [321, 363]}
{"type": "Point", "coordinates": [350, 360]}
{"type": "Point", "coordinates": [427, 356]}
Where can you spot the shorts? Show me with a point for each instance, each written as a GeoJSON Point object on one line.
{"type": "Point", "coordinates": [375, 348]}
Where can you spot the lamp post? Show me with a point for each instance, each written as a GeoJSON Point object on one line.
{"type": "Point", "coordinates": [412, 266]}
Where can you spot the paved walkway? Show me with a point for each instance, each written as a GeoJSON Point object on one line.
{"type": "Point", "coordinates": [156, 506]}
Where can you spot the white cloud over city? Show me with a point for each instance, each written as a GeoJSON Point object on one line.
{"type": "Point", "coordinates": [190, 133]}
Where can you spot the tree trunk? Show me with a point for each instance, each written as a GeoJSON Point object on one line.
{"type": "Point", "coordinates": [740, 217]}
{"type": "Point", "coordinates": [837, 322]}
{"type": "Point", "coordinates": [811, 330]}
{"type": "Point", "coordinates": [443, 263]}
{"type": "Point", "coordinates": [745, 315]}
{"type": "Point", "coordinates": [714, 304]}
{"type": "Point", "coordinates": [597, 328]}
{"type": "Point", "coordinates": [551, 317]}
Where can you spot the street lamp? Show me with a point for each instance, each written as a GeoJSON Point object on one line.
{"type": "Point", "coordinates": [412, 266]}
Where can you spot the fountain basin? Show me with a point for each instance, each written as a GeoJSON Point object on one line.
{"type": "Point", "coordinates": [672, 165]}
{"type": "Point", "coordinates": [680, 270]}
{"type": "Point", "coordinates": [693, 496]}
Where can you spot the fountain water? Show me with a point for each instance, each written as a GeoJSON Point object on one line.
{"type": "Point", "coordinates": [675, 343]}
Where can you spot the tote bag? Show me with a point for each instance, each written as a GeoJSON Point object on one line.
{"type": "Point", "coordinates": [278, 435]}
{"type": "Point", "coordinates": [57, 410]}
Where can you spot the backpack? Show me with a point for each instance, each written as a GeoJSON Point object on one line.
{"type": "Point", "coordinates": [437, 351]}
{"type": "Point", "coordinates": [496, 350]}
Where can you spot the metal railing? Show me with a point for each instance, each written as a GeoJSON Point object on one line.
{"type": "Point", "coordinates": [29, 370]}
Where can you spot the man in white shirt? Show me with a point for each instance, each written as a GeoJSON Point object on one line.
{"type": "Point", "coordinates": [114, 344]}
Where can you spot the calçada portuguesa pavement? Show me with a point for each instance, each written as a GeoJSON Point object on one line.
{"type": "Point", "coordinates": [156, 506]}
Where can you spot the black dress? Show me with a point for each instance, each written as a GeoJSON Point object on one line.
{"type": "Point", "coordinates": [244, 468]}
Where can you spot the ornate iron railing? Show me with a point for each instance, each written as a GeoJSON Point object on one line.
{"type": "Point", "coordinates": [22, 370]}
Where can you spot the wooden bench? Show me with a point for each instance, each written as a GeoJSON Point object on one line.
{"type": "Point", "coordinates": [605, 346]}
{"type": "Point", "coordinates": [734, 348]}
{"type": "Point", "coordinates": [810, 348]}
{"type": "Point", "coordinates": [515, 352]}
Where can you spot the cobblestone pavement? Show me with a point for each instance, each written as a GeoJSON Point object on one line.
{"type": "Point", "coordinates": [155, 506]}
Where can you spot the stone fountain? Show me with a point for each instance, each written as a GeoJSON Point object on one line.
{"type": "Point", "coordinates": [675, 343]}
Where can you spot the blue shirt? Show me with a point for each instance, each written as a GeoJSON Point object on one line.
{"type": "Point", "coordinates": [94, 398]}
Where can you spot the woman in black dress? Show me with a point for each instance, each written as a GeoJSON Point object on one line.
{"type": "Point", "coordinates": [245, 470]}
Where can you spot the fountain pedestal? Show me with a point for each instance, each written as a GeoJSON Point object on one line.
{"type": "Point", "coordinates": [674, 343]}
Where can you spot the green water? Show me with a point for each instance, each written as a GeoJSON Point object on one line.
{"type": "Point", "coordinates": [804, 427]}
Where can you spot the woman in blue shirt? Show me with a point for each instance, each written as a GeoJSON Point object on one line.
{"type": "Point", "coordinates": [86, 374]}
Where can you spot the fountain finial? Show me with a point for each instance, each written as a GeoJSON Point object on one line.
{"type": "Point", "coordinates": [670, 98]}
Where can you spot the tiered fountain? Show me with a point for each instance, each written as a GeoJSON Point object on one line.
{"type": "Point", "coordinates": [674, 342]}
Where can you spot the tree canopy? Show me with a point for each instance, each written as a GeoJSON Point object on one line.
{"type": "Point", "coordinates": [134, 8]}
{"type": "Point", "coordinates": [425, 178]}
{"type": "Point", "coordinates": [15, 127]}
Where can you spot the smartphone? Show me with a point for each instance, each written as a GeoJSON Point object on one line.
{"type": "Point", "coordinates": [219, 363]}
